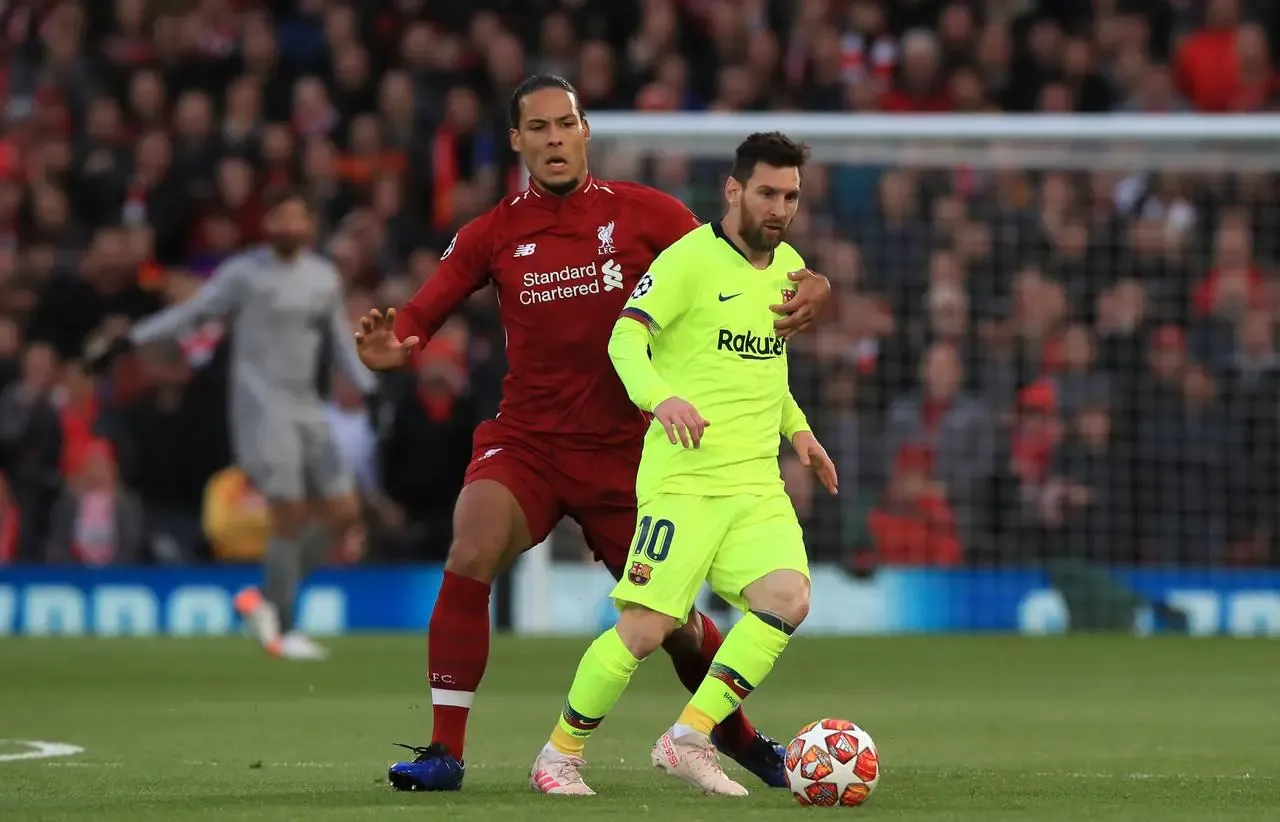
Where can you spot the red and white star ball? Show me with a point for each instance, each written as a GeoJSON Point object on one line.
{"type": "Point", "coordinates": [832, 763]}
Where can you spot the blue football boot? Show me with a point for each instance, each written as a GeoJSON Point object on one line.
{"type": "Point", "coordinates": [763, 757]}
{"type": "Point", "coordinates": [433, 769]}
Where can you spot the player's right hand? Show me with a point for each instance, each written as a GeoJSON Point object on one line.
{"type": "Point", "coordinates": [377, 345]}
{"type": "Point", "coordinates": [683, 422]}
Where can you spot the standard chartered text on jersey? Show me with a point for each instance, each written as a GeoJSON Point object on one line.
{"type": "Point", "coordinates": [570, 282]}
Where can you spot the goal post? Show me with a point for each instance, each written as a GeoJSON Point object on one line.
{"type": "Point", "coordinates": [1102, 290]}
{"type": "Point", "coordinates": [1184, 140]}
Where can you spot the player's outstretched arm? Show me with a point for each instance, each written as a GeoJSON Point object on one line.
{"type": "Point", "coordinates": [220, 296]}
{"type": "Point", "coordinates": [463, 270]}
{"type": "Point", "coordinates": [801, 311]}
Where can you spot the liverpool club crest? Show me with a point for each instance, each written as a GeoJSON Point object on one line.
{"type": "Point", "coordinates": [605, 235]}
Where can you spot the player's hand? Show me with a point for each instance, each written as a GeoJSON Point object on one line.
{"type": "Point", "coordinates": [683, 422]}
{"type": "Point", "coordinates": [814, 457]}
{"type": "Point", "coordinates": [801, 311]}
{"type": "Point", "coordinates": [377, 345]}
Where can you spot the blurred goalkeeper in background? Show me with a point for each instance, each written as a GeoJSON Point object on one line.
{"type": "Point", "coordinates": [285, 304]}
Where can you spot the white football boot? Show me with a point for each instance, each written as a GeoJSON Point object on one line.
{"type": "Point", "coordinates": [685, 753]}
{"type": "Point", "coordinates": [300, 647]}
{"type": "Point", "coordinates": [558, 773]}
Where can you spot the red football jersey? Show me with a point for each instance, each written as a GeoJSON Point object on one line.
{"type": "Point", "coordinates": [563, 267]}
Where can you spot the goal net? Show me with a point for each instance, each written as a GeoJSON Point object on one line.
{"type": "Point", "coordinates": [1049, 378]}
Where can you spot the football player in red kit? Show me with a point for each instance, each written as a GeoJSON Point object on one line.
{"type": "Point", "coordinates": [563, 256]}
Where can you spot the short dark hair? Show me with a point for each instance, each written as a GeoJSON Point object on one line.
{"type": "Point", "coordinates": [287, 194]}
{"type": "Point", "coordinates": [773, 148]}
{"type": "Point", "coordinates": [537, 82]}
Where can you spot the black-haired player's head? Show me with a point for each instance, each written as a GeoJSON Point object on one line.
{"type": "Point", "coordinates": [290, 221]}
{"type": "Point", "coordinates": [550, 132]}
{"type": "Point", "coordinates": [763, 189]}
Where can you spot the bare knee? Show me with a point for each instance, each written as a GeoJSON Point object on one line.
{"type": "Point", "coordinates": [474, 558]}
{"type": "Point", "coordinates": [783, 595]}
{"type": "Point", "coordinates": [643, 630]}
{"type": "Point", "coordinates": [489, 531]}
{"type": "Point", "coordinates": [687, 638]}
{"type": "Point", "coordinates": [288, 518]}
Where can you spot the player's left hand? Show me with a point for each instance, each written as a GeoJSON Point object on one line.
{"type": "Point", "coordinates": [814, 457]}
{"type": "Point", "coordinates": [801, 311]}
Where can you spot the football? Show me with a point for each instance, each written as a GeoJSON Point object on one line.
{"type": "Point", "coordinates": [832, 763]}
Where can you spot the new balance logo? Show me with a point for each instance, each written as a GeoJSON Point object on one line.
{"type": "Point", "coordinates": [611, 274]}
{"type": "Point", "coordinates": [525, 250]}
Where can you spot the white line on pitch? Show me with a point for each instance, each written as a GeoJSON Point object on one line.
{"type": "Point", "coordinates": [39, 750]}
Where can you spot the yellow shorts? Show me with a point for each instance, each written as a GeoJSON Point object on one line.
{"type": "Point", "coordinates": [682, 541]}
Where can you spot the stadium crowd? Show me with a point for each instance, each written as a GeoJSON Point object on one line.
{"type": "Point", "coordinates": [1022, 364]}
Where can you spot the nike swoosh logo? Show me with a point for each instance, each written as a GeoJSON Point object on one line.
{"type": "Point", "coordinates": [723, 298]}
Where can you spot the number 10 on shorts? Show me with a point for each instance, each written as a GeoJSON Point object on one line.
{"type": "Point", "coordinates": [654, 538]}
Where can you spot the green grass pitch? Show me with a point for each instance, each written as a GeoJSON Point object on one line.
{"type": "Point", "coordinates": [968, 728]}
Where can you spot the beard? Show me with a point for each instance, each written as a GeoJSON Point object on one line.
{"type": "Point", "coordinates": [754, 234]}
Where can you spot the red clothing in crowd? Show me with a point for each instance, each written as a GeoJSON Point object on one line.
{"type": "Point", "coordinates": [1203, 297]}
{"type": "Point", "coordinates": [9, 525]}
{"type": "Point", "coordinates": [901, 101]}
{"type": "Point", "coordinates": [77, 434]}
{"type": "Point", "coordinates": [1205, 69]}
{"type": "Point", "coordinates": [921, 532]}
{"type": "Point", "coordinates": [1207, 72]}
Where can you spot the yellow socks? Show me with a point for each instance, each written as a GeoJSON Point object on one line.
{"type": "Point", "coordinates": [602, 676]}
{"type": "Point", "coordinates": [743, 661]}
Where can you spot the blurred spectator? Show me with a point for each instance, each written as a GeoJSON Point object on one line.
{"type": "Point", "coordinates": [1208, 62]}
{"type": "Point", "coordinates": [913, 524]}
{"type": "Point", "coordinates": [1036, 435]}
{"type": "Point", "coordinates": [78, 409]}
{"type": "Point", "coordinates": [952, 428]}
{"type": "Point", "coordinates": [1251, 395]}
{"type": "Point", "coordinates": [31, 444]}
{"type": "Point", "coordinates": [1079, 384]}
{"type": "Point", "coordinates": [170, 441]}
{"type": "Point", "coordinates": [1086, 499]}
{"type": "Point", "coordinates": [95, 522]}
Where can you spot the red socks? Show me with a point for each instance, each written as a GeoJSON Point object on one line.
{"type": "Point", "coordinates": [737, 731]}
{"type": "Point", "coordinates": [457, 651]}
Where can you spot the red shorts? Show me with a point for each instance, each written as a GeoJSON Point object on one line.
{"type": "Point", "coordinates": [595, 488]}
